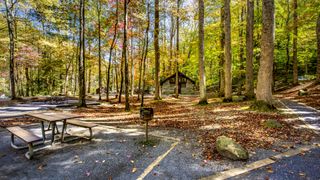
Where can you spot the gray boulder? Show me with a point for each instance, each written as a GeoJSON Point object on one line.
{"type": "Point", "coordinates": [227, 147]}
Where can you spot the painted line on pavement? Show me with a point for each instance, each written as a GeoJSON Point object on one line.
{"type": "Point", "coordinates": [156, 162]}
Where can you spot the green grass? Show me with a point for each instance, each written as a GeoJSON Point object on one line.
{"type": "Point", "coordinates": [271, 123]}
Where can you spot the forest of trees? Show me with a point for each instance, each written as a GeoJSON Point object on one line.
{"type": "Point", "coordinates": [79, 47]}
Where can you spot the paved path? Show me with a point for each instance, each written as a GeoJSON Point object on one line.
{"type": "Point", "coordinates": [21, 109]}
{"type": "Point", "coordinates": [302, 166]}
{"type": "Point", "coordinates": [309, 115]}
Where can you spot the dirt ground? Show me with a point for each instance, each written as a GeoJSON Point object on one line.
{"type": "Point", "coordinates": [206, 122]}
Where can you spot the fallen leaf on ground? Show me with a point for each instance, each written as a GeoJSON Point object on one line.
{"type": "Point", "coordinates": [134, 170]}
{"type": "Point", "coordinates": [41, 166]}
{"type": "Point", "coordinates": [269, 169]}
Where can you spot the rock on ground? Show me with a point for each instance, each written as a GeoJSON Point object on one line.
{"type": "Point", "coordinates": [227, 147]}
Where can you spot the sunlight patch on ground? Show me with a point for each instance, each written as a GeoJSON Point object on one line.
{"type": "Point", "coordinates": [211, 127]}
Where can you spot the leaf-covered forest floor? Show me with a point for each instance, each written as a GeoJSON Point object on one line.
{"type": "Point", "coordinates": [201, 125]}
{"type": "Point", "coordinates": [205, 123]}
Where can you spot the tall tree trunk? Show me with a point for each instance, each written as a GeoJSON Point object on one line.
{"type": "Point", "coordinates": [202, 74]}
{"type": "Point", "coordinates": [157, 50]}
{"type": "Point", "coordinates": [126, 64]}
{"type": "Point", "coordinates": [38, 80]}
{"type": "Point", "coordinates": [28, 81]}
{"type": "Point", "coordinates": [99, 45]}
{"type": "Point", "coordinates": [177, 52]}
{"type": "Point", "coordinates": [318, 49]}
{"type": "Point", "coordinates": [117, 77]}
{"type": "Point", "coordinates": [10, 23]}
{"type": "Point", "coordinates": [164, 43]}
{"type": "Point", "coordinates": [257, 39]}
{"type": "Point", "coordinates": [249, 50]}
{"type": "Point", "coordinates": [132, 63]}
{"type": "Point", "coordinates": [288, 41]}
{"type": "Point", "coordinates": [241, 50]}
{"type": "Point", "coordinates": [82, 85]}
{"type": "Point", "coordinates": [140, 67]}
{"type": "Point", "coordinates": [110, 52]}
{"type": "Point", "coordinates": [121, 78]}
{"type": "Point", "coordinates": [145, 55]}
{"type": "Point", "coordinates": [264, 91]}
{"type": "Point", "coordinates": [295, 37]}
{"type": "Point", "coordinates": [221, 62]}
{"type": "Point", "coordinates": [172, 30]}
{"type": "Point", "coordinates": [89, 81]}
{"type": "Point", "coordinates": [227, 52]}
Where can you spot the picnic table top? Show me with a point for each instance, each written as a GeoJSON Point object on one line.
{"type": "Point", "coordinates": [53, 116]}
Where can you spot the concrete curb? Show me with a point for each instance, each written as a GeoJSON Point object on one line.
{"type": "Point", "coordinates": [255, 165]}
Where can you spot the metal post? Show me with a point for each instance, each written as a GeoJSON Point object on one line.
{"type": "Point", "coordinates": [147, 138]}
{"type": "Point", "coordinates": [64, 126]}
{"type": "Point", "coordinates": [53, 131]}
{"type": "Point", "coordinates": [43, 132]}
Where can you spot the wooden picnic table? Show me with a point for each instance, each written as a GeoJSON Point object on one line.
{"type": "Point", "coordinates": [53, 118]}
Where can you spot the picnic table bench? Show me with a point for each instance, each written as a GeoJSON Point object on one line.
{"type": "Point", "coordinates": [52, 118]}
{"type": "Point", "coordinates": [80, 124]}
{"type": "Point", "coordinates": [27, 136]}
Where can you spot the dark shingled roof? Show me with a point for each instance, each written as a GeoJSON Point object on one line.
{"type": "Point", "coordinates": [174, 75]}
